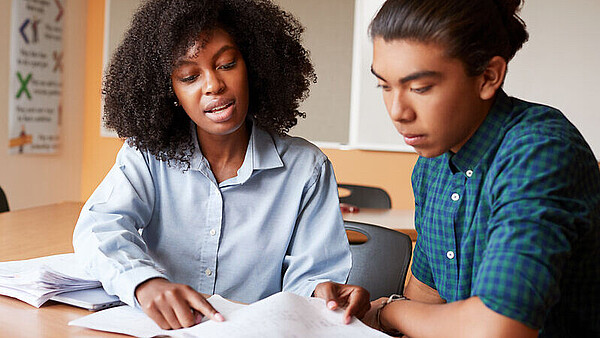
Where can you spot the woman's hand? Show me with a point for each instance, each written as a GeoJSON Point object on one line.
{"type": "Point", "coordinates": [173, 306]}
{"type": "Point", "coordinates": [352, 297]}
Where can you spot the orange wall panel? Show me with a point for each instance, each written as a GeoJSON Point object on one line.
{"type": "Point", "coordinates": [98, 152]}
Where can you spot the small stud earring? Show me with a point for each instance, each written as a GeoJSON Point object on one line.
{"type": "Point", "coordinates": [176, 103]}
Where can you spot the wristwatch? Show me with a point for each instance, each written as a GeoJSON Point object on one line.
{"type": "Point", "coordinates": [392, 298]}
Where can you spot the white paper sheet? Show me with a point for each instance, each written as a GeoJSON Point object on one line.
{"type": "Point", "coordinates": [281, 315]}
{"type": "Point", "coordinates": [34, 281]}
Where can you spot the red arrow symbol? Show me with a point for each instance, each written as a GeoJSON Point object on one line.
{"type": "Point", "coordinates": [60, 10]}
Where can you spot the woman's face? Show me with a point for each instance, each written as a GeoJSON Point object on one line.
{"type": "Point", "coordinates": [211, 84]}
{"type": "Point", "coordinates": [430, 98]}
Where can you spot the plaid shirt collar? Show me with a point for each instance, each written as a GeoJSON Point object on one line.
{"type": "Point", "coordinates": [490, 132]}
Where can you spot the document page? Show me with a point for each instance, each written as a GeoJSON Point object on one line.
{"type": "Point", "coordinates": [281, 315]}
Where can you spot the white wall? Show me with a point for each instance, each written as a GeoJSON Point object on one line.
{"type": "Point", "coordinates": [32, 180]}
{"type": "Point", "coordinates": [560, 64]}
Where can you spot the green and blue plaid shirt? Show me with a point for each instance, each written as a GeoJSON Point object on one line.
{"type": "Point", "coordinates": [514, 219]}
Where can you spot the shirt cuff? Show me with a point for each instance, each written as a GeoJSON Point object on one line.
{"type": "Point", "coordinates": [125, 284]}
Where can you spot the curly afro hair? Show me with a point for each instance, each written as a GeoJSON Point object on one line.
{"type": "Point", "coordinates": [138, 97]}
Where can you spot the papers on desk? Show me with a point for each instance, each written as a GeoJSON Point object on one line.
{"type": "Point", "coordinates": [281, 315]}
{"type": "Point", "coordinates": [34, 281]}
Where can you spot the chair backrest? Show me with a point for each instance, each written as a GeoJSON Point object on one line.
{"type": "Point", "coordinates": [3, 201]}
{"type": "Point", "coordinates": [381, 263]}
{"type": "Point", "coordinates": [366, 197]}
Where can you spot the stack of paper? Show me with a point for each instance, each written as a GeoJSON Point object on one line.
{"type": "Point", "coordinates": [34, 281]}
{"type": "Point", "coordinates": [281, 315]}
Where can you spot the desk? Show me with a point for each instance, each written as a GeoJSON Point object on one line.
{"type": "Point", "coordinates": [31, 233]}
{"type": "Point", "coordinates": [396, 219]}
{"type": "Point", "coordinates": [48, 230]}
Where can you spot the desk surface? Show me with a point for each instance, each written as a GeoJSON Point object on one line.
{"type": "Point", "coordinates": [396, 219]}
{"type": "Point", "coordinates": [48, 230]}
{"type": "Point", "coordinates": [34, 233]}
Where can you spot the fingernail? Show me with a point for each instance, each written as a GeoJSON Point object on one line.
{"type": "Point", "coordinates": [219, 317]}
{"type": "Point", "coordinates": [347, 320]}
{"type": "Point", "coordinates": [331, 304]}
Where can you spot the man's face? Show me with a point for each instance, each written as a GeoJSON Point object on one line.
{"type": "Point", "coordinates": [430, 98]}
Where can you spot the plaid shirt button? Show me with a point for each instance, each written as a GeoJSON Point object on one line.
{"type": "Point", "coordinates": [455, 197]}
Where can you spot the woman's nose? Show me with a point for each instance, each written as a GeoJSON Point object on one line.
{"type": "Point", "coordinates": [213, 84]}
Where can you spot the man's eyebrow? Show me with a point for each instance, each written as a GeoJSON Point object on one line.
{"type": "Point", "coordinates": [411, 77]}
{"type": "Point", "coordinates": [419, 75]}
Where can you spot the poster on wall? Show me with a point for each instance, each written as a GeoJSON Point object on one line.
{"type": "Point", "coordinates": [35, 76]}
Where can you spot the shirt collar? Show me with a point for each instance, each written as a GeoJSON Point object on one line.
{"type": "Point", "coordinates": [261, 153]}
{"type": "Point", "coordinates": [489, 133]}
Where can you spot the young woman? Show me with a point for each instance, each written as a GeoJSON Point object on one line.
{"type": "Point", "coordinates": [208, 195]}
{"type": "Point", "coordinates": [507, 192]}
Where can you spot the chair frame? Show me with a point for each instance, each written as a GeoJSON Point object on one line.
{"type": "Point", "coordinates": [384, 246]}
{"type": "Point", "coordinates": [3, 201]}
{"type": "Point", "coordinates": [364, 196]}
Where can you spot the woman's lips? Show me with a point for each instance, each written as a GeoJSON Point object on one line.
{"type": "Point", "coordinates": [220, 111]}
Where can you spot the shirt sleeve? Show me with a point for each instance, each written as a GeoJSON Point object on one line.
{"type": "Point", "coordinates": [319, 249]}
{"type": "Point", "coordinates": [420, 267]}
{"type": "Point", "coordinates": [107, 236]}
{"type": "Point", "coordinates": [538, 210]}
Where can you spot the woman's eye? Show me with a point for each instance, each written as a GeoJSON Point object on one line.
{"type": "Point", "coordinates": [227, 65]}
{"type": "Point", "coordinates": [189, 78]}
{"type": "Point", "coordinates": [421, 90]}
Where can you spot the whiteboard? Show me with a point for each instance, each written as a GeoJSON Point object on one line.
{"type": "Point", "coordinates": [370, 126]}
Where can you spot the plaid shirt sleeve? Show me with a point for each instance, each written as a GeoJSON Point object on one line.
{"type": "Point", "coordinates": [537, 201]}
{"type": "Point", "coordinates": [420, 267]}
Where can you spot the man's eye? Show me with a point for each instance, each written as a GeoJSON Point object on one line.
{"type": "Point", "coordinates": [383, 87]}
{"type": "Point", "coordinates": [421, 90]}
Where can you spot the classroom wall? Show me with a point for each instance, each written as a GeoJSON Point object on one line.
{"type": "Point", "coordinates": [32, 180]}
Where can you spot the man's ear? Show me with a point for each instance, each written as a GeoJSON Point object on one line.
{"type": "Point", "coordinates": [492, 77]}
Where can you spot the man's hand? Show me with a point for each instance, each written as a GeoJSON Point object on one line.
{"type": "Point", "coordinates": [173, 306]}
{"type": "Point", "coordinates": [354, 298]}
{"type": "Point", "coordinates": [370, 317]}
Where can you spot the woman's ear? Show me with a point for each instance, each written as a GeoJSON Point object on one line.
{"type": "Point", "coordinates": [492, 77]}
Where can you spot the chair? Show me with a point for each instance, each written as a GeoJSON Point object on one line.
{"type": "Point", "coordinates": [366, 197]}
{"type": "Point", "coordinates": [381, 263]}
{"type": "Point", "coordinates": [3, 201]}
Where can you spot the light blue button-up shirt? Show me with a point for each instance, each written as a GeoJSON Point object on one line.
{"type": "Point", "coordinates": [274, 227]}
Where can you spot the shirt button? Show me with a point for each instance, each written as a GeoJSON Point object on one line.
{"type": "Point", "coordinates": [455, 197]}
{"type": "Point", "coordinates": [212, 232]}
{"type": "Point", "coordinates": [208, 272]}
{"type": "Point", "coordinates": [450, 254]}
{"type": "Point", "coordinates": [469, 173]}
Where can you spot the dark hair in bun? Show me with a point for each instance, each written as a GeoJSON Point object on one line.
{"type": "Point", "coordinates": [472, 31]}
